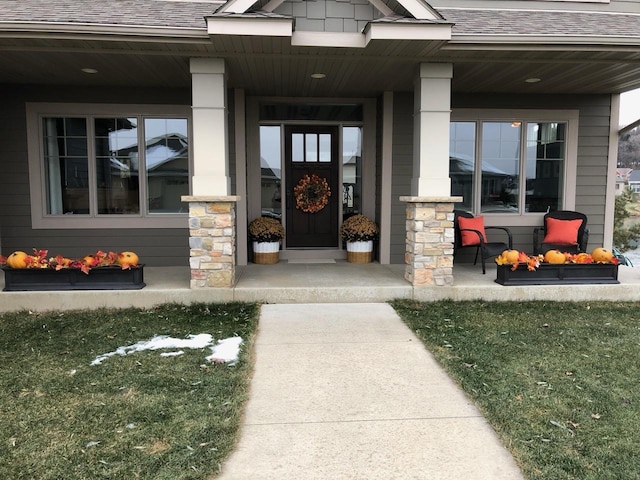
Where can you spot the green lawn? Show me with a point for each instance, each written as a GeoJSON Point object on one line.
{"type": "Point", "coordinates": [560, 382]}
{"type": "Point", "coordinates": [135, 416]}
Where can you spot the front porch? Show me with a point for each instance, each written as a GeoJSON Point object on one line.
{"type": "Point", "coordinates": [318, 283]}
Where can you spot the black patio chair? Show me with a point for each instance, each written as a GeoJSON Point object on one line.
{"type": "Point", "coordinates": [563, 230]}
{"type": "Point", "coordinates": [472, 234]}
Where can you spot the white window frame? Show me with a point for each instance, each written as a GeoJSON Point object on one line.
{"type": "Point", "coordinates": [40, 219]}
{"type": "Point", "coordinates": [570, 117]}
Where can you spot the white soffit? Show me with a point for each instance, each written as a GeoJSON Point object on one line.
{"type": "Point", "coordinates": [328, 39]}
{"type": "Point", "coordinates": [260, 27]}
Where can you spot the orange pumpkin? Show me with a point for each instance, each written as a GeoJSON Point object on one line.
{"type": "Point", "coordinates": [128, 259]}
{"type": "Point", "coordinates": [555, 256]}
{"type": "Point", "coordinates": [18, 259]}
{"type": "Point", "coordinates": [511, 256]}
{"type": "Point", "coordinates": [602, 255]}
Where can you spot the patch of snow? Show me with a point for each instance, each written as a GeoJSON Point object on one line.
{"type": "Point", "coordinates": [172, 354]}
{"type": "Point", "coordinates": [226, 350]}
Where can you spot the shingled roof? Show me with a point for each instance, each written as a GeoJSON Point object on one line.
{"type": "Point", "coordinates": [541, 23]}
{"type": "Point", "coordinates": [149, 13]}
{"type": "Point", "coordinates": [191, 14]}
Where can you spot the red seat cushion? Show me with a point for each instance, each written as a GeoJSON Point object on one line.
{"type": "Point", "coordinates": [562, 232]}
{"type": "Point", "coordinates": [471, 238]}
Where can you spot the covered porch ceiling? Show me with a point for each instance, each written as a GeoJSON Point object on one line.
{"type": "Point", "coordinates": [271, 66]}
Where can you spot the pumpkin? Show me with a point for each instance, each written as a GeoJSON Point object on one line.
{"type": "Point", "coordinates": [511, 256]}
{"type": "Point", "coordinates": [18, 259]}
{"type": "Point", "coordinates": [602, 255]}
{"type": "Point", "coordinates": [127, 259]}
{"type": "Point", "coordinates": [90, 260]}
{"type": "Point", "coordinates": [555, 256]}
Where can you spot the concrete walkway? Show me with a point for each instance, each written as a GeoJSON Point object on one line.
{"type": "Point", "coordinates": [346, 391]}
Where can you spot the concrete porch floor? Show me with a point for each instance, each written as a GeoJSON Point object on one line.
{"type": "Point", "coordinates": [339, 282]}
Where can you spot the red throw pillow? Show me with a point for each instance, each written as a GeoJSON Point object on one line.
{"type": "Point", "coordinates": [562, 232]}
{"type": "Point", "coordinates": [471, 238]}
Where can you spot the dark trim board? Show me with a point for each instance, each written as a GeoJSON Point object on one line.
{"type": "Point", "coordinates": [562, 274]}
{"type": "Point", "coordinates": [101, 278]}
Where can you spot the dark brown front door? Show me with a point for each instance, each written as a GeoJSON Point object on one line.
{"type": "Point", "coordinates": [313, 152]}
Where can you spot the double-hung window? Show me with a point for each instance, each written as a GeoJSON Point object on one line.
{"type": "Point", "coordinates": [513, 162]}
{"type": "Point", "coordinates": [94, 166]}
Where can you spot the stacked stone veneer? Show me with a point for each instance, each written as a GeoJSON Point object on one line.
{"type": "Point", "coordinates": [430, 237]}
{"type": "Point", "coordinates": [212, 241]}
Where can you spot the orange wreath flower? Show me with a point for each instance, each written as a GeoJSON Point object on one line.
{"type": "Point", "coordinates": [312, 193]}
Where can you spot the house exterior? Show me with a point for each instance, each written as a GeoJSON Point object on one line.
{"type": "Point", "coordinates": [634, 181]}
{"type": "Point", "coordinates": [125, 121]}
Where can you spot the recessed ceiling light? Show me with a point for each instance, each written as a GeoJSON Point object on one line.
{"type": "Point", "coordinates": [90, 70]}
{"type": "Point", "coordinates": [533, 80]}
{"type": "Point", "coordinates": [318, 75]}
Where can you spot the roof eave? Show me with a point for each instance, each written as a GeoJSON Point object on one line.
{"type": "Point", "coordinates": [115, 32]}
{"type": "Point", "coordinates": [549, 42]}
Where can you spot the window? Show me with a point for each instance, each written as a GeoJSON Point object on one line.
{"type": "Point", "coordinates": [93, 167]}
{"type": "Point", "coordinates": [513, 165]}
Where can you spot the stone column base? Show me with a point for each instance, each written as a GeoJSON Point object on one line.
{"type": "Point", "coordinates": [429, 242]}
{"type": "Point", "coordinates": [212, 240]}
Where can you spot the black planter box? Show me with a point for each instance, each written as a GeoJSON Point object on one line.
{"type": "Point", "coordinates": [100, 278]}
{"type": "Point", "coordinates": [562, 274]}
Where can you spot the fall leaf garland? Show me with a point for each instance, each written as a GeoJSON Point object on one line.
{"type": "Point", "coordinates": [312, 193]}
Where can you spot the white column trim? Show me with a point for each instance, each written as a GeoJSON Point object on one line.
{"type": "Point", "coordinates": [431, 124]}
{"type": "Point", "coordinates": [210, 132]}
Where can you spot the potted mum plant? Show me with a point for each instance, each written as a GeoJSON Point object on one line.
{"type": "Point", "coordinates": [266, 234]}
{"type": "Point", "coordinates": [359, 232]}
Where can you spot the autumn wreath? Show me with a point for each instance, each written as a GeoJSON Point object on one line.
{"type": "Point", "coordinates": [312, 193]}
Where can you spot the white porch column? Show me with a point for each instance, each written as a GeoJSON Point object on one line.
{"type": "Point", "coordinates": [210, 142]}
{"type": "Point", "coordinates": [432, 115]}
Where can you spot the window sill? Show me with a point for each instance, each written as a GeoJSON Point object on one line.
{"type": "Point", "coordinates": [110, 222]}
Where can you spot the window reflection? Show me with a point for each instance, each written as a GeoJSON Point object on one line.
{"type": "Point", "coordinates": [271, 173]}
{"type": "Point", "coordinates": [351, 170]}
{"type": "Point", "coordinates": [117, 176]}
{"type": "Point", "coordinates": [500, 186]}
{"type": "Point", "coordinates": [119, 162]}
{"type": "Point", "coordinates": [545, 166]}
{"type": "Point", "coordinates": [500, 166]}
{"type": "Point", "coordinates": [462, 162]}
{"type": "Point", "coordinates": [167, 161]}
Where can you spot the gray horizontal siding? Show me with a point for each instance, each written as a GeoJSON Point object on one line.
{"type": "Point", "coordinates": [156, 247]}
{"type": "Point", "coordinates": [402, 168]}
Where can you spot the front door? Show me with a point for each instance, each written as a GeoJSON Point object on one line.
{"type": "Point", "coordinates": [312, 186]}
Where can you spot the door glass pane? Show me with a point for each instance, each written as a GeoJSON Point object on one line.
{"type": "Point", "coordinates": [545, 166]}
{"type": "Point", "coordinates": [462, 161]}
{"type": "Point", "coordinates": [66, 165]}
{"type": "Point", "coordinates": [297, 147]}
{"type": "Point", "coordinates": [325, 147]}
{"type": "Point", "coordinates": [500, 166]}
{"type": "Point", "coordinates": [271, 173]}
{"type": "Point", "coordinates": [311, 147]}
{"type": "Point", "coordinates": [117, 165]}
{"type": "Point", "coordinates": [167, 163]}
{"type": "Point", "coordinates": [351, 170]}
